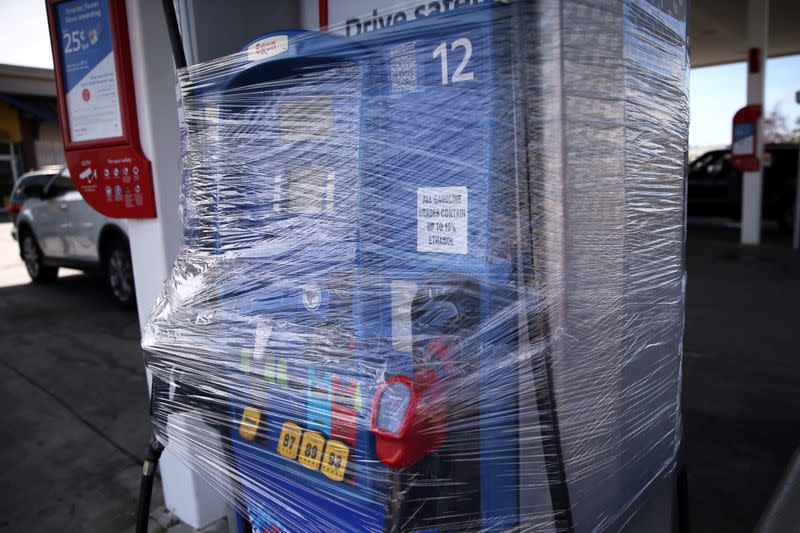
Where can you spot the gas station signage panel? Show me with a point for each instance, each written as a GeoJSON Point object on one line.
{"type": "Point", "coordinates": [98, 107]}
{"type": "Point", "coordinates": [744, 153]}
{"type": "Point", "coordinates": [89, 72]}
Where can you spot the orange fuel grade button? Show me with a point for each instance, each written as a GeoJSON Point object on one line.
{"type": "Point", "coordinates": [248, 428]}
{"type": "Point", "coordinates": [334, 461]}
{"type": "Point", "coordinates": [311, 449]}
{"type": "Point", "coordinates": [289, 440]}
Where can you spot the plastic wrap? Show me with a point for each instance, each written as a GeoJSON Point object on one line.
{"type": "Point", "coordinates": [433, 274]}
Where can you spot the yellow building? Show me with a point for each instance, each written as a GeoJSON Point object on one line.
{"type": "Point", "coordinates": [29, 129]}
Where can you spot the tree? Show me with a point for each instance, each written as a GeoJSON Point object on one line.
{"type": "Point", "coordinates": [776, 128]}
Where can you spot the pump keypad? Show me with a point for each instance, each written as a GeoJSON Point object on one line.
{"type": "Point", "coordinates": [312, 450]}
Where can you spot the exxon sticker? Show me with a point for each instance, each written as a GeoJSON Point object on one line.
{"type": "Point", "coordinates": [268, 47]}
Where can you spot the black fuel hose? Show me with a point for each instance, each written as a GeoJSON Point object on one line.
{"type": "Point", "coordinates": [149, 467]}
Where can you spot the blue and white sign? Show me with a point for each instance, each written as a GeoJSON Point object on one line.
{"type": "Point", "coordinates": [744, 139]}
{"type": "Point", "coordinates": [355, 17]}
{"type": "Point", "coordinates": [88, 70]}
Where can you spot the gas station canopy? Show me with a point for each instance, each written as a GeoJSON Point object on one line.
{"type": "Point", "coordinates": [718, 30]}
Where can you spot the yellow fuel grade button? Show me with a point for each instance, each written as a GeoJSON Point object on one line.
{"type": "Point", "coordinates": [311, 449]}
{"type": "Point", "coordinates": [334, 461]}
{"type": "Point", "coordinates": [248, 427]}
{"type": "Point", "coordinates": [289, 440]}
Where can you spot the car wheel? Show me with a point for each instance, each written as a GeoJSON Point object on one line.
{"type": "Point", "coordinates": [119, 273]}
{"type": "Point", "coordinates": [34, 260]}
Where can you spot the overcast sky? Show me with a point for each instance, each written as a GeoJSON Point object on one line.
{"type": "Point", "coordinates": [24, 37]}
{"type": "Point", "coordinates": [715, 92]}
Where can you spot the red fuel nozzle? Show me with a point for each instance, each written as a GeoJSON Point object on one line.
{"type": "Point", "coordinates": [408, 418]}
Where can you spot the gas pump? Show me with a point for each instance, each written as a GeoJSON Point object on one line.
{"type": "Point", "coordinates": [363, 314]}
{"type": "Point", "coordinates": [443, 274]}
{"type": "Point", "coordinates": [392, 291]}
{"type": "Point", "coordinates": [292, 408]}
{"type": "Point", "coordinates": [376, 271]}
{"type": "Point", "coordinates": [300, 429]}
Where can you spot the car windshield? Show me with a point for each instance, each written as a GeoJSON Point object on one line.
{"type": "Point", "coordinates": [61, 184]}
{"type": "Point", "coordinates": [704, 160]}
{"type": "Point", "coordinates": [22, 187]}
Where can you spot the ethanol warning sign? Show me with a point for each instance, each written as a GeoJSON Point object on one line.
{"type": "Point", "coordinates": [442, 219]}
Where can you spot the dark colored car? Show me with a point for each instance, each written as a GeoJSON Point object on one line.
{"type": "Point", "coordinates": [29, 185]}
{"type": "Point", "coordinates": [715, 186]}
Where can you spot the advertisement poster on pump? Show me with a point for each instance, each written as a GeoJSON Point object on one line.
{"type": "Point", "coordinates": [89, 70]}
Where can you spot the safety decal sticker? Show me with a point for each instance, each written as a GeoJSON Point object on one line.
{"type": "Point", "coordinates": [442, 219]}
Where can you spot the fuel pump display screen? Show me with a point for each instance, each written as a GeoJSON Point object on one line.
{"type": "Point", "coordinates": [305, 190]}
{"type": "Point", "coordinates": [306, 118]}
{"type": "Point", "coordinates": [393, 406]}
{"type": "Point", "coordinates": [307, 122]}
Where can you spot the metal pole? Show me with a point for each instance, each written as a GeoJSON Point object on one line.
{"type": "Point", "coordinates": [796, 239]}
{"type": "Point", "coordinates": [155, 242]}
{"type": "Point", "coordinates": [12, 159]}
{"type": "Point", "coordinates": [757, 25]}
{"type": "Point", "coordinates": [178, 55]}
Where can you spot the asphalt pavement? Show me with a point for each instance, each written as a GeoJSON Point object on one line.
{"type": "Point", "coordinates": [73, 398]}
{"type": "Point", "coordinates": [74, 416]}
{"type": "Point", "coordinates": [741, 387]}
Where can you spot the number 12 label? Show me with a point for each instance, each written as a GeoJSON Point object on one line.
{"type": "Point", "coordinates": [459, 75]}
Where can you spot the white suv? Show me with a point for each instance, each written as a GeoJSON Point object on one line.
{"type": "Point", "coordinates": [57, 228]}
